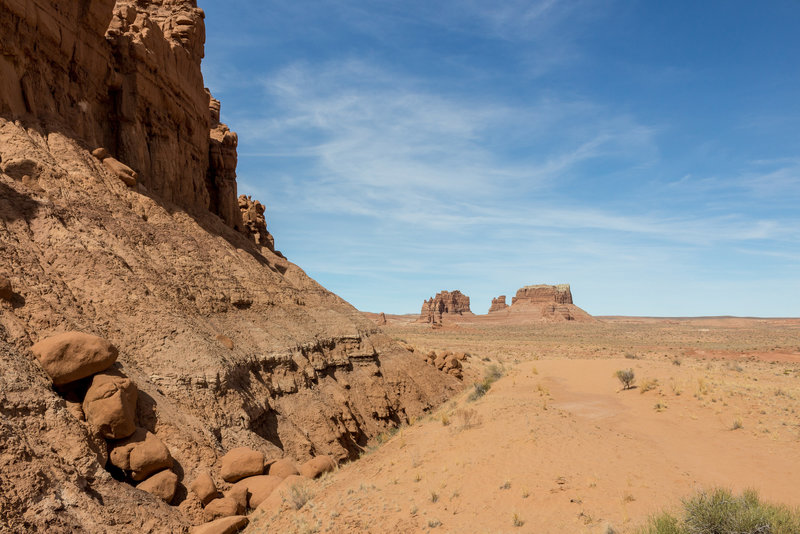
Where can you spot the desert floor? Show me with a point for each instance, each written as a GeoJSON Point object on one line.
{"type": "Point", "coordinates": [557, 446]}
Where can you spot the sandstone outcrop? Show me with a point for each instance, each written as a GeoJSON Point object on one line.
{"type": "Point", "coordinates": [498, 304]}
{"type": "Point", "coordinates": [545, 303]}
{"type": "Point", "coordinates": [255, 225]}
{"type": "Point", "coordinates": [543, 294]}
{"type": "Point", "coordinates": [70, 356]}
{"type": "Point", "coordinates": [241, 462]}
{"type": "Point", "coordinates": [110, 404]}
{"type": "Point", "coordinates": [447, 361]}
{"type": "Point", "coordinates": [443, 304]}
{"type": "Point", "coordinates": [317, 466]}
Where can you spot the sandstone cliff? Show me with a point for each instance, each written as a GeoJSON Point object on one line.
{"type": "Point", "coordinates": [443, 304]}
{"type": "Point", "coordinates": [144, 245]}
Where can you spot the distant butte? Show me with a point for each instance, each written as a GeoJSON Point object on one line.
{"type": "Point", "coordinates": [445, 303]}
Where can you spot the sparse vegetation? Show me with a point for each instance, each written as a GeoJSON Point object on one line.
{"type": "Point", "coordinates": [631, 356]}
{"type": "Point", "coordinates": [299, 495]}
{"type": "Point", "coordinates": [626, 377]}
{"type": "Point", "coordinates": [516, 520]}
{"type": "Point", "coordinates": [493, 373]}
{"type": "Point", "coordinates": [433, 523]}
{"type": "Point", "coordinates": [737, 424]}
{"type": "Point", "coordinates": [466, 417]}
{"type": "Point", "coordinates": [434, 496]}
{"type": "Point", "coordinates": [506, 485]}
{"type": "Point", "coordinates": [648, 385]}
{"type": "Point", "coordinates": [720, 512]}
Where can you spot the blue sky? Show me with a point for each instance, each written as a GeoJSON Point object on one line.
{"type": "Point", "coordinates": [647, 153]}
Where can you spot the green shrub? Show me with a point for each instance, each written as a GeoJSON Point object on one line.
{"type": "Point", "coordinates": [720, 512]}
{"type": "Point", "coordinates": [493, 373]}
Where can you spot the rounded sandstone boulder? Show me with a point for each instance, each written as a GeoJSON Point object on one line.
{"type": "Point", "coordinates": [241, 462]}
{"type": "Point", "coordinates": [225, 525]}
{"type": "Point", "coordinates": [203, 486]}
{"type": "Point", "coordinates": [142, 454]}
{"type": "Point", "coordinates": [74, 355]}
{"type": "Point", "coordinates": [283, 468]}
{"type": "Point", "coordinates": [317, 466]}
{"type": "Point", "coordinates": [222, 507]}
{"type": "Point", "coordinates": [259, 488]}
{"type": "Point", "coordinates": [110, 404]}
{"type": "Point", "coordinates": [293, 490]}
{"type": "Point", "coordinates": [162, 485]}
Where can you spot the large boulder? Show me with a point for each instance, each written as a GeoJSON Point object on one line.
{"type": "Point", "coordinates": [294, 490]}
{"type": "Point", "coordinates": [222, 507]}
{"type": "Point", "coordinates": [142, 454]}
{"type": "Point", "coordinates": [110, 404]}
{"type": "Point", "coordinates": [224, 525]}
{"type": "Point", "coordinates": [283, 468]}
{"type": "Point", "coordinates": [258, 488]}
{"type": "Point", "coordinates": [162, 485]}
{"type": "Point", "coordinates": [239, 494]}
{"type": "Point", "coordinates": [74, 355]}
{"type": "Point", "coordinates": [203, 486]}
{"type": "Point", "coordinates": [241, 462]}
{"type": "Point", "coordinates": [317, 466]}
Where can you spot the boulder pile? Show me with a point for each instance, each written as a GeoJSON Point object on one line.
{"type": "Point", "coordinates": [76, 360]}
{"type": "Point", "coordinates": [255, 484]}
{"type": "Point", "coordinates": [447, 361]}
{"type": "Point", "coordinates": [82, 368]}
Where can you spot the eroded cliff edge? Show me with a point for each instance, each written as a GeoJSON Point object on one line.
{"type": "Point", "coordinates": [165, 270]}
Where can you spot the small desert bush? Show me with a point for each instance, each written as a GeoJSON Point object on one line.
{"type": "Point", "coordinates": [516, 520]}
{"type": "Point", "coordinates": [445, 419]}
{"type": "Point", "coordinates": [493, 373]}
{"type": "Point", "coordinates": [737, 424]}
{"type": "Point", "coordinates": [299, 495]}
{"type": "Point", "coordinates": [720, 512]}
{"type": "Point", "coordinates": [627, 377]}
{"type": "Point", "coordinates": [631, 356]}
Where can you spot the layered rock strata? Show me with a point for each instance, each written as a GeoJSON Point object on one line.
{"type": "Point", "coordinates": [498, 304]}
{"type": "Point", "coordinates": [444, 303]}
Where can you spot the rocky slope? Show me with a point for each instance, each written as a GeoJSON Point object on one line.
{"type": "Point", "coordinates": [444, 303]}
{"type": "Point", "coordinates": [144, 244]}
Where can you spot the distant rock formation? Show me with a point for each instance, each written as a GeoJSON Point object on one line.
{"type": "Point", "coordinates": [548, 303]}
{"type": "Point", "coordinates": [254, 222]}
{"type": "Point", "coordinates": [542, 294]}
{"type": "Point", "coordinates": [498, 304]}
{"type": "Point", "coordinates": [444, 303]}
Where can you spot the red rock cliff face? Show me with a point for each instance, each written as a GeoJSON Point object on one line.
{"type": "Point", "coordinates": [543, 294]}
{"type": "Point", "coordinates": [498, 304]}
{"type": "Point", "coordinates": [445, 302]}
{"type": "Point", "coordinates": [124, 75]}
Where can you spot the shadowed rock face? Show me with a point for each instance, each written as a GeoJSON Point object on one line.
{"type": "Point", "coordinates": [445, 302]}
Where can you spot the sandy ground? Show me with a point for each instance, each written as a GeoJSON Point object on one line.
{"type": "Point", "coordinates": [556, 445]}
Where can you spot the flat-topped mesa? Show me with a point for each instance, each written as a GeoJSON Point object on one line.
{"type": "Point", "coordinates": [543, 294]}
{"type": "Point", "coordinates": [125, 76]}
{"type": "Point", "coordinates": [546, 303]}
{"type": "Point", "coordinates": [444, 303]}
{"type": "Point", "coordinates": [498, 304]}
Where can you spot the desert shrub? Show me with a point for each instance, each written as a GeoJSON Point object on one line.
{"type": "Point", "coordinates": [299, 495]}
{"type": "Point", "coordinates": [649, 385]}
{"type": "Point", "coordinates": [467, 418]}
{"type": "Point", "coordinates": [627, 377]}
{"type": "Point", "coordinates": [493, 373]}
{"type": "Point", "coordinates": [631, 356]}
{"type": "Point", "coordinates": [720, 512]}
